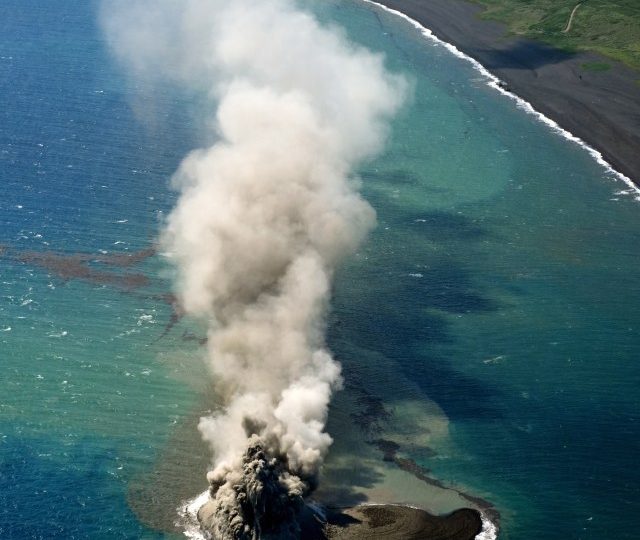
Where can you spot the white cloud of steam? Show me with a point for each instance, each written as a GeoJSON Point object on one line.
{"type": "Point", "coordinates": [265, 214]}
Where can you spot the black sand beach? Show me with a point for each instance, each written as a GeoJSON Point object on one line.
{"type": "Point", "coordinates": [388, 522]}
{"type": "Point", "coordinates": [383, 522]}
{"type": "Point", "coordinates": [602, 108]}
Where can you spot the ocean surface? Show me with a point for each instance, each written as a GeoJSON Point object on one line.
{"type": "Point", "coordinates": [501, 288]}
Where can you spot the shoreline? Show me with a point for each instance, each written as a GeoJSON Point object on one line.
{"type": "Point", "coordinates": [368, 521]}
{"type": "Point", "coordinates": [597, 111]}
{"type": "Point", "coordinates": [400, 483]}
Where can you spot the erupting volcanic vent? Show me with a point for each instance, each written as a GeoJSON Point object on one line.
{"type": "Point", "coordinates": [264, 216]}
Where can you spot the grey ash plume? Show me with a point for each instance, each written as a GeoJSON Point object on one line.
{"type": "Point", "coordinates": [263, 218]}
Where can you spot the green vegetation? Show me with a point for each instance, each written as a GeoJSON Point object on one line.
{"type": "Point", "coordinates": [608, 27]}
{"type": "Point", "coordinates": [596, 66]}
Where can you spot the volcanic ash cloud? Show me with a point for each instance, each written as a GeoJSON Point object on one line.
{"type": "Point", "coordinates": [263, 218]}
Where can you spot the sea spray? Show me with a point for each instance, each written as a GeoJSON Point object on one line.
{"type": "Point", "coordinates": [263, 218]}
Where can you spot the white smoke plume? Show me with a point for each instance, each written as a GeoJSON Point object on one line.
{"type": "Point", "coordinates": [263, 218]}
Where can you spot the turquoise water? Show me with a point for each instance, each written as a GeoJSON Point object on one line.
{"type": "Point", "coordinates": [502, 279]}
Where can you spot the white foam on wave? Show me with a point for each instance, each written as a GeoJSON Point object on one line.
{"type": "Point", "coordinates": [489, 530]}
{"type": "Point", "coordinates": [497, 84]}
{"type": "Point", "coordinates": [145, 318]}
{"type": "Point", "coordinates": [188, 516]}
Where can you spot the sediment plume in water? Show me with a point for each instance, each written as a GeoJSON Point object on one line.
{"type": "Point", "coordinates": [88, 267]}
{"type": "Point", "coordinates": [263, 218]}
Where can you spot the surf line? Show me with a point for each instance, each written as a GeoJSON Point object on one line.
{"type": "Point", "coordinates": [497, 84]}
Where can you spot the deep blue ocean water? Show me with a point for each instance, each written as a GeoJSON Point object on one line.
{"type": "Point", "coordinates": [502, 280]}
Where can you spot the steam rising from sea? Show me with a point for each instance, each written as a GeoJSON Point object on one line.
{"type": "Point", "coordinates": [263, 218]}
